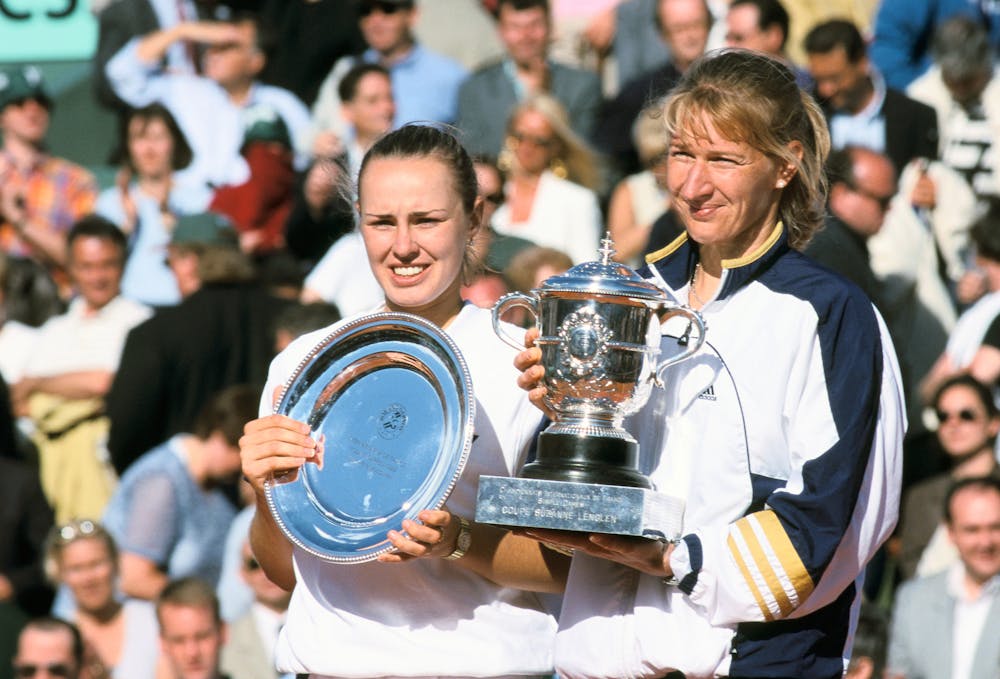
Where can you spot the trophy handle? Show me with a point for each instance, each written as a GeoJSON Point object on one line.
{"type": "Point", "coordinates": [501, 307]}
{"type": "Point", "coordinates": [695, 319]}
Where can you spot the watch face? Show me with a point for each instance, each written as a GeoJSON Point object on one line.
{"type": "Point", "coordinates": [464, 539]}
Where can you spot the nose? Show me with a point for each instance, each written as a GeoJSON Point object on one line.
{"type": "Point", "coordinates": [405, 245]}
{"type": "Point", "coordinates": [696, 183]}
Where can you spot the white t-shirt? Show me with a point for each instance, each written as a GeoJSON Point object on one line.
{"type": "Point", "coordinates": [425, 617]}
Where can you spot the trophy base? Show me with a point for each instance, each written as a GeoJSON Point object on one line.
{"type": "Point", "coordinates": [586, 459]}
{"type": "Point", "coordinates": [584, 507]}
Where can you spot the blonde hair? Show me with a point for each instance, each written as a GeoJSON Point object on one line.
{"type": "Point", "coordinates": [579, 159]}
{"type": "Point", "coordinates": [752, 98]}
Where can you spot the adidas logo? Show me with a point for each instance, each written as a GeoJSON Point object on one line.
{"type": "Point", "coordinates": [708, 394]}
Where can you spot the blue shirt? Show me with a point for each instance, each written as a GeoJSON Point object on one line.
{"type": "Point", "coordinates": [424, 85]}
{"type": "Point", "coordinates": [160, 513]}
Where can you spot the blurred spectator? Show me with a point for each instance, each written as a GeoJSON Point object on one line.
{"type": "Point", "coordinates": [41, 196]}
{"type": "Point", "coordinates": [249, 650]}
{"type": "Point", "coordinates": [966, 97]}
{"type": "Point", "coordinates": [168, 515]}
{"type": "Point", "coordinates": [860, 109]}
{"type": "Point", "coordinates": [309, 37]}
{"type": "Point", "coordinates": [220, 334]}
{"type": "Point", "coordinates": [191, 631]}
{"type": "Point", "coordinates": [298, 319]}
{"type": "Point", "coordinates": [52, 646]}
{"type": "Point", "coordinates": [946, 625]}
{"type": "Point", "coordinates": [871, 642]}
{"type": "Point", "coordinates": [640, 199]}
{"type": "Point", "coordinates": [343, 277]}
{"type": "Point", "coordinates": [24, 523]}
{"type": "Point", "coordinates": [16, 338]}
{"type": "Point", "coordinates": [487, 98]}
{"type": "Point", "coordinates": [762, 25]}
{"type": "Point", "coordinates": [367, 107]}
{"type": "Point", "coordinates": [119, 638]}
{"type": "Point", "coordinates": [122, 20]}
{"type": "Point", "coordinates": [259, 207]}
{"type": "Point", "coordinates": [424, 83]}
{"type": "Point", "coordinates": [209, 108]}
{"type": "Point", "coordinates": [549, 196]}
{"type": "Point", "coordinates": [632, 33]}
{"type": "Point", "coordinates": [903, 30]}
{"type": "Point", "coordinates": [321, 213]}
{"type": "Point", "coordinates": [862, 185]}
{"type": "Point", "coordinates": [530, 267]}
{"type": "Point", "coordinates": [70, 369]}
{"type": "Point", "coordinates": [150, 192]}
{"type": "Point", "coordinates": [685, 25]}
{"type": "Point", "coordinates": [965, 342]}
{"type": "Point", "coordinates": [968, 424]}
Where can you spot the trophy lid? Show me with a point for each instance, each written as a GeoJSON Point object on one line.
{"type": "Point", "coordinates": [604, 277]}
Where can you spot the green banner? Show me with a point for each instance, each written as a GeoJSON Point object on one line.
{"type": "Point", "coordinates": [46, 30]}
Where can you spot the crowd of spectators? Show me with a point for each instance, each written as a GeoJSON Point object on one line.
{"type": "Point", "coordinates": [138, 318]}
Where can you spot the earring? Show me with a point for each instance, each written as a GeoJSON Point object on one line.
{"type": "Point", "coordinates": [781, 183]}
{"type": "Point", "coordinates": [505, 160]}
{"type": "Point", "coordinates": [558, 168]}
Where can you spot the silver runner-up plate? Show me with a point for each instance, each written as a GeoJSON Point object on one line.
{"type": "Point", "coordinates": [389, 399]}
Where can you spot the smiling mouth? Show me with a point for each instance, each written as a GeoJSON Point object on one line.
{"type": "Point", "coordinates": [411, 270]}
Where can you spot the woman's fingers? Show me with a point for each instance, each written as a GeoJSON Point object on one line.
{"type": "Point", "coordinates": [273, 445]}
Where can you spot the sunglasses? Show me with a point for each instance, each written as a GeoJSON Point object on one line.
{"type": "Point", "coordinates": [80, 528]}
{"type": "Point", "coordinates": [535, 140]}
{"type": "Point", "coordinates": [368, 8]}
{"type": "Point", "coordinates": [964, 415]}
{"type": "Point", "coordinates": [251, 564]}
{"type": "Point", "coordinates": [883, 201]}
{"type": "Point", "coordinates": [55, 670]}
{"type": "Point", "coordinates": [495, 198]}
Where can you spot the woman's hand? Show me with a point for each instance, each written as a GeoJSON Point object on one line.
{"type": "Point", "coordinates": [275, 445]}
{"type": "Point", "coordinates": [435, 535]}
{"type": "Point", "coordinates": [529, 362]}
{"type": "Point", "coordinates": [647, 556]}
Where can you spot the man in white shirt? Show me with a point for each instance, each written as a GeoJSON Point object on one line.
{"type": "Point", "coordinates": [70, 369]}
{"type": "Point", "coordinates": [209, 108]}
{"type": "Point", "coordinates": [947, 626]}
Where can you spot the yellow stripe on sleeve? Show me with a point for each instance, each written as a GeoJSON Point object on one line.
{"type": "Point", "coordinates": [792, 564]}
{"type": "Point", "coordinates": [738, 558]}
{"type": "Point", "coordinates": [764, 566]}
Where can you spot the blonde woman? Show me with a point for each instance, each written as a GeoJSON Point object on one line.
{"type": "Point", "coordinates": [552, 176]}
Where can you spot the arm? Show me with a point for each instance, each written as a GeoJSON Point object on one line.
{"type": "Point", "coordinates": [985, 365]}
{"type": "Point", "coordinates": [149, 535]}
{"type": "Point", "coordinates": [74, 385]}
{"type": "Point", "coordinates": [48, 243]}
{"type": "Point", "coordinates": [840, 502]}
{"type": "Point", "coordinates": [899, 27]}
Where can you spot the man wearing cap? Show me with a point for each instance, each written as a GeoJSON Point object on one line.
{"type": "Point", "coordinates": [424, 84]}
{"type": "Point", "coordinates": [69, 371]}
{"type": "Point", "coordinates": [41, 196]}
{"type": "Point", "coordinates": [220, 334]}
{"type": "Point", "coordinates": [209, 109]}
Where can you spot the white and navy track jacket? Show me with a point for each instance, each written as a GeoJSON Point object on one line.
{"type": "Point", "coordinates": [784, 435]}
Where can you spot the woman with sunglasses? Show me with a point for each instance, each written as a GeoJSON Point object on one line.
{"type": "Point", "coordinates": [455, 598]}
{"type": "Point", "coordinates": [551, 179]}
{"type": "Point", "coordinates": [121, 639]}
{"type": "Point", "coordinates": [968, 424]}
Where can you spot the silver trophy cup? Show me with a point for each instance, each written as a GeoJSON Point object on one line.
{"type": "Point", "coordinates": [600, 338]}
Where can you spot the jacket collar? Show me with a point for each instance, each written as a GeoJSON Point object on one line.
{"type": "Point", "coordinates": [674, 264]}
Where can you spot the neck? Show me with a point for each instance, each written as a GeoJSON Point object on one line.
{"type": "Point", "coordinates": [973, 585]}
{"type": "Point", "coordinates": [194, 455]}
{"type": "Point", "coordinates": [102, 616]}
{"type": "Point", "coordinates": [155, 185]}
{"type": "Point", "coordinates": [441, 312]}
{"type": "Point", "coordinates": [239, 92]}
{"type": "Point", "coordinates": [24, 153]}
{"type": "Point", "coordinates": [396, 53]}
{"type": "Point", "coordinates": [979, 463]}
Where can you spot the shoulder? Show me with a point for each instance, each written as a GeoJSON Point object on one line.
{"type": "Point", "coordinates": [829, 293]}
{"type": "Point", "coordinates": [569, 77]}
{"type": "Point", "coordinates": [896, 101]}
{"type": "Point", "coordinates": [67, 168]}
{"type": "Point", "coordinates": [439, 62]}
{"type": "Point", "coordinates": [918, 590]}
{"type": "Point", "coordinates": [485, 74]}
